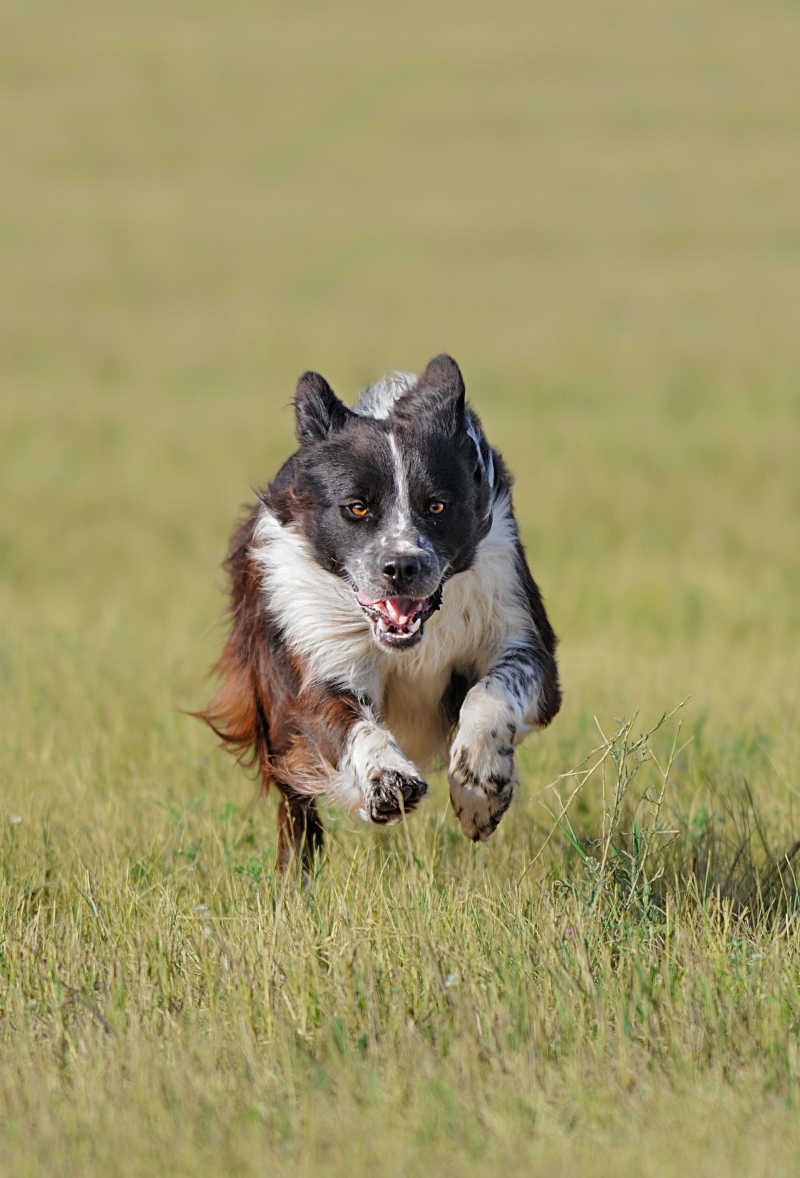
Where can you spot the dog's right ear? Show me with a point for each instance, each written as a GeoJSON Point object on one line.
{"type": "Point", "coordinates": [318, 412]}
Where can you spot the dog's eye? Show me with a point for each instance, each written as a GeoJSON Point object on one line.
{"type": "Point", "coordinates": [358, 509]}
{"type": "Point", "coordinates": [436, 507]}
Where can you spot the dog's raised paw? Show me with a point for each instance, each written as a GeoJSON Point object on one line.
{"type": "Point", "coordinates": [393, 794]}
{"type": "Point", "coordinates": [479, 805]}
{"type": "Point", "coordinates": [482, 772]}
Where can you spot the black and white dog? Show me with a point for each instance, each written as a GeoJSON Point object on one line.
{"type": "Point", "coordinates": [381, 602]}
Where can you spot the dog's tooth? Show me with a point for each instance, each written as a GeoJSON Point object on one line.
{"type": "Point", "coordinates": [414, 626]}
{"type": "Point", "coordinates": [382, 625]}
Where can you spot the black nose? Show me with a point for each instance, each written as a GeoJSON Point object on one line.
{"type": "Point", "coordinates": [402, 568]}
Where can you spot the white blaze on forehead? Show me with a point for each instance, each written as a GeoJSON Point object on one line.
{"type": "Point", "coordinates": [401, 525]}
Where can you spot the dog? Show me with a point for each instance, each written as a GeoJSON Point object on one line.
{"type": "Point", "coordinates": [382, 605]}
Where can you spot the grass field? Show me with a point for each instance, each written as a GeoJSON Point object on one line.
{"type": "Point", "coordinates": [594, 207]}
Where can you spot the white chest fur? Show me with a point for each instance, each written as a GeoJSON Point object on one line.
{"type": "Point", "coordinates": [481, 611]}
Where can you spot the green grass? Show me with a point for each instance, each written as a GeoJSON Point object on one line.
{"type": "Point", "coordinates": [594, 208]}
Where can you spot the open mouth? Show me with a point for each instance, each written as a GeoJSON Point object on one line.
{"type": "Point", "coordinates": [399, 621]}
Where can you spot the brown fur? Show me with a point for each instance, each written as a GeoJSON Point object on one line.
{"type": "Point", "coordinates": [293, 734]}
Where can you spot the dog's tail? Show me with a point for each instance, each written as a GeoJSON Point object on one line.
{"type": "Point", "coordinates": [237, 716]}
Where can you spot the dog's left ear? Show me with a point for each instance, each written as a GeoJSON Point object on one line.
{"type": "Point", "coordinates": [443, 386]}
{"type": "Point", "coordinates": [318, 412]}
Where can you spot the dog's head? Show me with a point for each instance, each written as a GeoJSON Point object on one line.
{"type": "Point", "coordinates": [394, 505]}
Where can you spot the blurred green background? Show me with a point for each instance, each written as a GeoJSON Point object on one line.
{"type": "Point", "coordinates": [592, 206]}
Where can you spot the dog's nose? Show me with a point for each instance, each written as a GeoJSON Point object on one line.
{"type": "Point", "coordinates": [402, 568]}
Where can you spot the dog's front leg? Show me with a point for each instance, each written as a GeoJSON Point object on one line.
{"type": "Point", "coordinates": [383, 779]}
{"type": "Point", "coordinates": [514, 697]}
{"type": "Point", "coordinates": [341, 750]}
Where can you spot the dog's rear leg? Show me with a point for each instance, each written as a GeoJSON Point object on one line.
{"type": "Point", "coordinates": [300, 832]}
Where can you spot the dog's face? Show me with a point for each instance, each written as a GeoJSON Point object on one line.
{"type": "Point", "coordinates": [394, 505]}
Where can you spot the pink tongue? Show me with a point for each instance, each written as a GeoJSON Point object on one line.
{"type": "Point", "coordinates": [397, 610]}
{"type": "Point", "coordinates": [400, 610]}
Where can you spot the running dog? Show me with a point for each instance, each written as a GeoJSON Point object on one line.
{"type": "Point", "coordinates": [382, 609]}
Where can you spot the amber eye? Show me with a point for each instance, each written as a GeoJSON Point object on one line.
{"type": "Point", "coordinates": [436, 507]}
{"type": "Point", "coordinates": [359, 510]}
